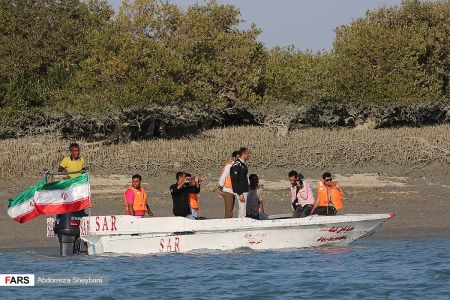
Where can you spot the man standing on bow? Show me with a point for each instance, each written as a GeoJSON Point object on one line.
{"type": "Point", "coordinates": [72, 163]}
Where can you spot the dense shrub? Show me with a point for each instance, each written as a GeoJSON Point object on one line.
{"type": "Point", "coordinates": [404, 149]}
{"type": "Point", "coordinates": [42, 44]}
{"type": "Point", "coordinates": [154, 65]}
{"type": "Point", "coordinates": [395, 56]}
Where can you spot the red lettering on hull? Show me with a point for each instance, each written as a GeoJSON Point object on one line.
{"type": "Point", "coordinates": [255, 238]}
{"type": "Point", "coordinates": [339, 229]}
{"type": "Point", "coordinates": [177, 244]}
{"type": "Point", "coordinates": [105, 224]}
{"type": "Point", "coordinates": [84, 227]}
{"type": "Point", "coordinates": [331, 239]}
{"type": "Point", "coordinates": [169, 245]}
{"type": "Point", "coordinates": [109, 223]}
{"type": "Point", "coordinates": [50, 226]}
{"type": "Point", "coordinates": [113, 223]}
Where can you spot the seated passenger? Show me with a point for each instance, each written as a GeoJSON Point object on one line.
{"type": "Point", "coordinates": [255, 206]}
{"type": "Point", "coordinates": [136, 198]}
{"type": "Point", "coordinates": [301, 195]}
{"type": "Point", "coordinates": [180, 195]}
{"type": "Point", "coordinates": [329, 197]}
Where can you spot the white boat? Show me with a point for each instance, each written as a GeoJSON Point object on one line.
{"type": "Point", "coordinates": [129, 234]}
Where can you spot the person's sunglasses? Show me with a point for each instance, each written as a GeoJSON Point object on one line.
{"type": "Point", "coordinates": [328, 179]}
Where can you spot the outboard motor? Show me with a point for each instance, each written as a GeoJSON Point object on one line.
{"type": "Point", "coordinates": [67, 228]}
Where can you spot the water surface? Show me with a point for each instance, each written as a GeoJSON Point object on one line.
{"type": "Point", "coordinates": [369, 268]}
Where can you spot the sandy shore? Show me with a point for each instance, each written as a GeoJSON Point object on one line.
{"type": "Point", "coordinates": [421, 204]}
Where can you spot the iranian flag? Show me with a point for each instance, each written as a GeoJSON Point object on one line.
{"type": "Point", "coordinates": [51, 198]}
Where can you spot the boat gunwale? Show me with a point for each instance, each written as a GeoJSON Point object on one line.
{"type": "Point", "coordinates": [275, 224]}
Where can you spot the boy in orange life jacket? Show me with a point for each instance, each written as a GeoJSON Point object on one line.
{"type": "Point", "coordinates": [193, 197]}
{"type": "Point", "coordinates": [225, 188]}
{"type": "Point", "coordinates": [329, 196]}
{"type": "Point", "coordinates": [136, 198]}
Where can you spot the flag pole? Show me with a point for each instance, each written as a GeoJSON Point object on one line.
{"type": "Point", "coordinates": [89, 188]}
{"type": "Point", "coordinates": [66, 173]}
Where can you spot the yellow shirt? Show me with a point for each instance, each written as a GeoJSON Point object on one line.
{"type": "Point", "coordinates": [72, 166]}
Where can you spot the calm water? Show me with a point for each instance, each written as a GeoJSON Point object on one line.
{"type": "Point", "coordinates": [371, 268]}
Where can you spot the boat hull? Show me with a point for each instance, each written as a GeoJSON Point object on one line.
{"type": "Point", "coordinates": [129, 234]}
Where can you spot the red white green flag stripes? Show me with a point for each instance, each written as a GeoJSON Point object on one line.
{"type": "Point", "coordinates": [51, 198]}
{"type": "Point", "coordinates": [22, 208]}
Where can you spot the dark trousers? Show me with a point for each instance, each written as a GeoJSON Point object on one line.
{"type": "Point", "coordinates": [325, 211]}
{"type": "Point", "coordinates": [301, 212]}
{"type": "Point", "coordinates": [256, 217]}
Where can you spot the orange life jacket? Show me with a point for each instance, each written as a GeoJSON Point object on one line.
{"type": "Point", "coordinates": [227, 183]}
{"type": "Point", "coordinates": [193, 201]}
{"type": "Point", "coordinates": [140, 199]}
{"type": "Point", "coordinates": [335, 195]}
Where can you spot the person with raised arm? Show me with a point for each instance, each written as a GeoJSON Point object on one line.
{"type": "Point", "coordinates": [330, 196]}
{"type": "Point", "coordinates": [180, 191]}
{"type": "Point", "coordinates": [302, 197]}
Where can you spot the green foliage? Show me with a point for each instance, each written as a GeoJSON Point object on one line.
{"type": "Point", "coordinates": [79, 56]}
{"type": "Point", "coordinates": [156, 54]}
{"type": "Point", "coordinates": [395, 56]}
{"type": "Point", "coordinates": [222, 65]}
{"type": "Point", "coordinates": [42, 43]}
{"type": "Point", "coordinates": [392, 57]}
{"type": "Point", "coordinates": [296, 77]}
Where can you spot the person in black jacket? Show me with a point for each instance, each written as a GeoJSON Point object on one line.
{"type": "Point", "coordinates": [180, 194]}
{"type": "Point", "coordinates": [239, 180]}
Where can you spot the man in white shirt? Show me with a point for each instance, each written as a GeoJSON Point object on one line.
{"type": "Point", "coordinates": [225, 187]}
